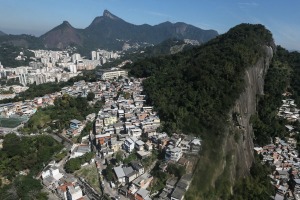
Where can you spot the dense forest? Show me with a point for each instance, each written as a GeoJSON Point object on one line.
{"type": "Point", "coordinates": [255, 186]}
{"type": "Point", "coordinates": [28, 154]}
{"type": "Point", "coordinates": [195, 89]}
{"type": "Point", "coordinates": [23, 40]}
{"type": "Point", "coordinates": [266, 124]}
{"type": "Point", "coordinates": [8, 53]}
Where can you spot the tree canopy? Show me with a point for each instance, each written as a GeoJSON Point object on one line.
{"type": "Point", "coordinates": [194, 90]}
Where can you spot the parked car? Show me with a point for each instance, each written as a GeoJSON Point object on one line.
{"type": "Point", "coordinates": [112, 185]}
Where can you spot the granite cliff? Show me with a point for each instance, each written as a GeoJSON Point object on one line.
{"type": "Point", "coordinates": [238, 144]}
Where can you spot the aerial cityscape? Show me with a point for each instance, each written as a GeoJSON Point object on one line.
{"type": "Point", "coordinates": [152, 101]}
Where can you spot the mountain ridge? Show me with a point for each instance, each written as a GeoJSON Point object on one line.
{"type": "Point", "coordinates": [61, 36]}
{"type": "Point", "coordinates": [2, 33]}
{"type": "Point", "coordinates": [106, 29]}
{"type": "Point", "coordinates": [109, 32]}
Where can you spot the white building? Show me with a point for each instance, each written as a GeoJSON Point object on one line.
{"type": "Point", "coordinates": [74, 192]}
{"type": "Point", "coordinates": [173, 153]}
{"type": "Point", "coordinates": [80, 151]}
{"type": "Point", "coordinates": [111, 74]}
{"type": "Point", "coordinates": [54, 172]}
{"type": "Point", "coordinates": [136, 132]}
{"type": "Point", "coordinates": [129, 144]}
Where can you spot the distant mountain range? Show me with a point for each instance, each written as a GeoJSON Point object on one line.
{"type": "Point", "coordinates": [111, 32]}
{"type": "Point", "coordinates": [1, 33]}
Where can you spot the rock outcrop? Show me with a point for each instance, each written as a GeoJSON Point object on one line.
{"type": "Point", "coordinates": [238, 142]}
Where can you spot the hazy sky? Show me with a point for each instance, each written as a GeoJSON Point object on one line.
{"type": "Point", "coordinates": [38, 16]}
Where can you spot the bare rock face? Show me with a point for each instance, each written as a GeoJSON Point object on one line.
{"type": "Point", "coordinates": [245, 107]}
{"type": "Point", "coordinates": [238, 142]}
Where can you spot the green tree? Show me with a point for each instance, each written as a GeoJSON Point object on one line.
{"type": "Point", "coordinates": [119, 156]}
{"type": "Point", "coordinates": [75, 163]}
{"type": "Point", "coordinates": [72, 165]}
{"type": "Point", "coordinates": [90, 96]}
{"type": "Point", "coordinates": [108, 172]}
{"type": "Point", "coordinates": [176, 170]}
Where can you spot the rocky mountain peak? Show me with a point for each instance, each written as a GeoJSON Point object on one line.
{"type": "Point", "coordinates": [109, 15]}
{"type": "Point", "coordinates": [66, 24]}
{"type": "Point", "coordinates": [2, 33]}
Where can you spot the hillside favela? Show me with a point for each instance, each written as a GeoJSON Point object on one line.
{"type": "Point", "coordinates": [144, 100]}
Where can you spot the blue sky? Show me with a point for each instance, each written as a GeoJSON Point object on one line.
{"type": "Point", "coordinates": [38, 16]}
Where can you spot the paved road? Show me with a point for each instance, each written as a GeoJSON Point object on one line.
{"type": "Point", "coordinates": [106, 186]}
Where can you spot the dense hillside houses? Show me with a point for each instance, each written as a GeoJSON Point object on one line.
{"type": "Point", "coordinates": [128, 127]}
{"type": "Point", "coordinates": [124, 126]}
{"type": "Point", "coordinates": [283, 155]}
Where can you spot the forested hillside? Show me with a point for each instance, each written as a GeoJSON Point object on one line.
{"type": "Point", "coordinates": [8, 53]}
{"type": "Point", "coordinates": [29, 155]}
{"type": "Point", "coordinates": [194, 91]}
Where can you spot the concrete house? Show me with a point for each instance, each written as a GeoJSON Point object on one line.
{"type": "Point", "coordinates": [119, 127]}
{"type": "Point", "coordinates": [143, 181]}
{"type": "Point", "coordinates": [136, 165]}
{"type": "Point", "coordinates": [130, 174]}
{"type": "Point", "coordinates": [136, 132]}
{"type": "Point", "coordinates": [139, 145]}
{"type": "Point", "coordinates": [75, 124]}
{"type": "Point", "coordinates": [142, 194]}
{"type": "Point", "coordinates": [74, 192]}
{"type": "Point", "coordinates": [120, 174]}
{"type": "Point", "coordinates": [173, 153]}
{"type": "Point", "coordinates": [177, 194]}
{"type": "Point", "coordinates": [80, 151]}
{"type": "Point", "coordinates": [195, 145]}
{"type": "Point", "coordinates": [148, 146]}
{"type": "Point", "coordinates": [129, 144]}
{"type": "Point", "coordinates": [103, 138]}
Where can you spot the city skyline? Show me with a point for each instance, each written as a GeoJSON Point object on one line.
{"type": "Point", "coordinates": [36, 18]}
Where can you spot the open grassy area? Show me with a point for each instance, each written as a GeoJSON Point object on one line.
{"type": "Point", "coordinates": [10, 122]}
{"type": "Point", "coordinates": [90, 174]}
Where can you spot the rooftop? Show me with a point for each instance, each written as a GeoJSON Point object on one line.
{"type": "Point", "coordinates": [75, 121]}
{"type": "Point", "coordinates": [178, 193]}
{"type": "Point", "coordinates": [143, 192]}
{"type": "Point", "coordinates": [119, 172]}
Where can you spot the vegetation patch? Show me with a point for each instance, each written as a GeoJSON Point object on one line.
{"type": "Point", "coordinates": [27, 154]}
{"type": "Point", "coordinates": [65, 109]}
{"type": "Point", "coordinates": [75, 163]}
{"type": "Point", "coordinates": [11, 122]}
{"type": "Point", "coordinates": [90, 175]}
